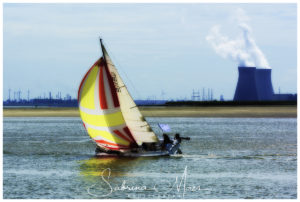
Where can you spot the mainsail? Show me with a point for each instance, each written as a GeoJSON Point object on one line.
{"type": "Point", "coordinates": [137, 124]}
{"type": "Point", "coordinates": [107, 110]}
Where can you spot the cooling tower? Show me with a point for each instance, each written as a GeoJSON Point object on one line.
{"type": "Point", "coordinates": [254, 85]}
{"type": "Point", "coordinates": [264, 85]}
{"type": "Point", "coordinates": [246, 86]}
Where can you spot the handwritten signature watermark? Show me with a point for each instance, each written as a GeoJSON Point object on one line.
{"type": "Point", "coordinates": [177, 188]}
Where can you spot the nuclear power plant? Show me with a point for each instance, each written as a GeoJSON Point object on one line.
{"type": "Point", "coordinates": [255, 84]}
{"type": "Point", "coordinates": [264, 85]}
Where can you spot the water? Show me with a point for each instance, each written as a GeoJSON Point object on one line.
{"type": "Point", "coordinates": [52, 158]}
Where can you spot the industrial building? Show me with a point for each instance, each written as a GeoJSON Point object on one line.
{"type": "Point", "coordinates": [255, 84]}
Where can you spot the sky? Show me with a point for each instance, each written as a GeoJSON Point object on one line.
{"type": "Point", "coordinates": [162, 51]}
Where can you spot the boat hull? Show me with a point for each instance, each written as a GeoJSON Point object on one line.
{"type": "Point", "coordinates": [131, 154]}
{"type": "Point", "coordinates": [171, 150]}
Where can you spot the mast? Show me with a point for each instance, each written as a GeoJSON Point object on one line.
{"type": "Point", "coordinates": [102, 49]}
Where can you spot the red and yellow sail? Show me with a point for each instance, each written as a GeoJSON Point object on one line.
{"type": "Point", "coordinates": [108, 111]}
{"type": "Point", "coordinates": [100, 110]}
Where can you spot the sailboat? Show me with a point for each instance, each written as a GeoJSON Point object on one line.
{"type": "Point", "coordinates": [110, 115]}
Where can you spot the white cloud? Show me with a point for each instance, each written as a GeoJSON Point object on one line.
{"type": "Point", "coordinates": [243, 49]}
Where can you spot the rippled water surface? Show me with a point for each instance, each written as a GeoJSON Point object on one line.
{"type": "Point", "coordinates": [226, 158]}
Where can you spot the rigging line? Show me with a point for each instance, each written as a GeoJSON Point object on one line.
{"type": "Point", "coordinates": [127, 77]}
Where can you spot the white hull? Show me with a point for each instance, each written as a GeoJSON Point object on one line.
{"type": "Point", "coordinates": [130, 154]}
{"type": "Point", "coordinates": [171, 150]}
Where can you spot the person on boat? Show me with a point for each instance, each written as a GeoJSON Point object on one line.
{"type": "Point", "coordinates": [179, 139]}
{"type": "Point", "coordinates": [166, 142]}
{"type": "Point", "coordinates": [176, 143]}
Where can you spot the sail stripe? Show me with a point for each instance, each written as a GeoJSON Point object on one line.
{"type": "Point", "coordinates": [108, 143]}
{"type": "Point", "coordinates": [114, 148]}
{"type": "Point", "coordinates": [107, 120]}
{"type": "Point", "coordinates": [112, 88]}
{"type": "Point", "coordinates": [122, 135]}
{"type": "Point", "coordinates": [108, 136]}
{"type": "Point", "coordinates": [127, 131]}
{"type": "Point", "coordinates": [109, 96]}
{"type": "Point", "coordinates": [107, 146]}
{"type": "Point", "coordinates": [100, 138]}
{"type": "Point", "coordinates": [102, 95]}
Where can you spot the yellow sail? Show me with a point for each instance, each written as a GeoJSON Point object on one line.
{"type": "Point", "coordinates": [100, 110]}
{"type": "Point", "coordinates": [138, 126]}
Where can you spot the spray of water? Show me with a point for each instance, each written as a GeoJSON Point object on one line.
{"type": "Point", "coordinates": [243, 49]}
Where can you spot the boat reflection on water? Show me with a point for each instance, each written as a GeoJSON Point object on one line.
{"type": "Point", "coordinates": [98, 166]}
{"type": "Point", "coordinates": [98, 175]}
{"type": "Point", "coordinates": [105, 177]}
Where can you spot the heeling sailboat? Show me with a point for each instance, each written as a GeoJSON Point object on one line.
{"type": "Point", "coordinates": [110, 115]}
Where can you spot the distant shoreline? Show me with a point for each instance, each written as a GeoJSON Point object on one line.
{"type": "Point", "coordinates": [170, 111]}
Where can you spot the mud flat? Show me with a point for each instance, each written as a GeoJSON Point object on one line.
{"type": "Point", "coordinates": [228, 111]}
{"type": "Point", "coordinates": [162, 111]}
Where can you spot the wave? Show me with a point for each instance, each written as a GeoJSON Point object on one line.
{"type": "Point", "coordinates": [213, 156]}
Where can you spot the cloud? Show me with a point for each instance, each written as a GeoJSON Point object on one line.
{"type": "Point", "coordinates": [242, 49]}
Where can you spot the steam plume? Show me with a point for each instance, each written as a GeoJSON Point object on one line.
{"type": "Point", "coordinates": [243, 49]}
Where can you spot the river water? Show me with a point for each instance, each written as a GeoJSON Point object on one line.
{"type": "Point", "coordinates": [52, 158]}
